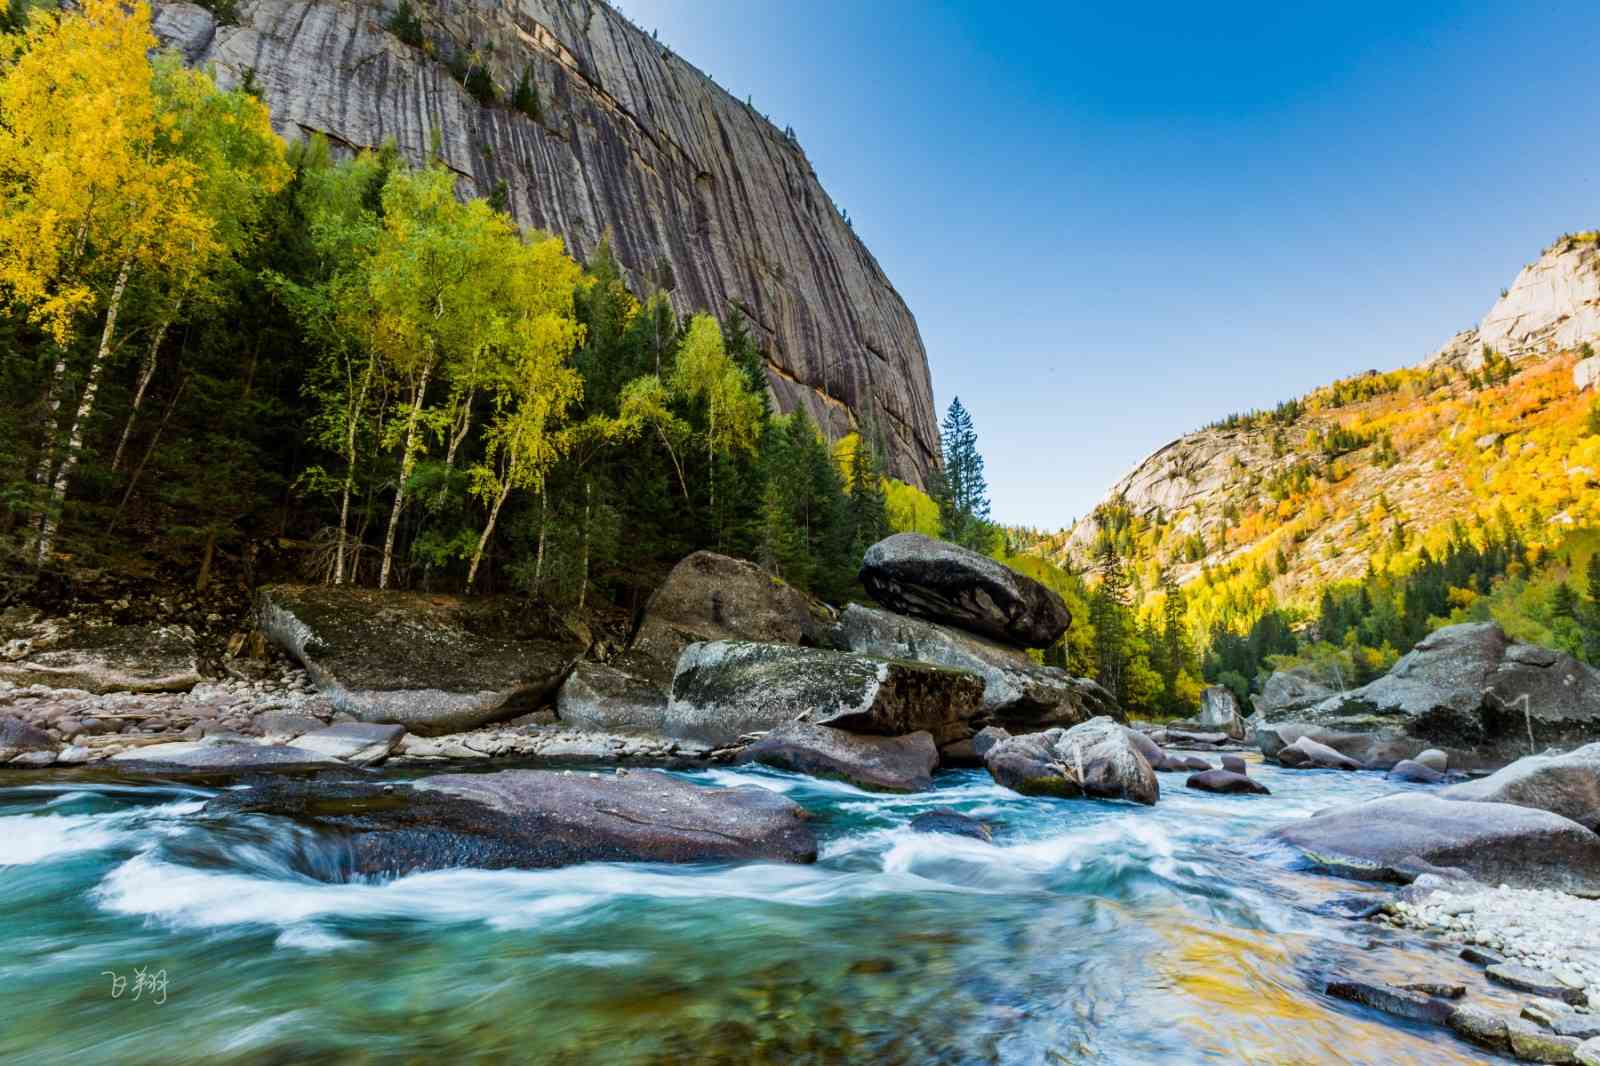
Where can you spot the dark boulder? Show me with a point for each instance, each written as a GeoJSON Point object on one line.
{"type": "Point", "coordinates": [1226, 782]}
{"type": "Point", "coordinates": [434, 664]}
{"type": "Point", "coordinates": [1391, 999]}
{"type": "Point", "coordinates": [601, 697]}
{"type": "Point", "coordinates": [531, 819]}
{"type": "Point", "coordinates": [1414, 773]}
{"type": "Point", "coordinates": [727, 689]}
{"type": "Point", "coordinates": [913, 574]}
{"type": "Point", "coordinates": [1399, 836]}
{"type": "Point", "coordinates": [714, 597]}
{"type": "Point", "coordinates": [945, 820]}
{"type": "Point", "coordinates": [884, 764]}
{"type": "Point", "coordinates": [1568, 785]}
{"type": "Point", "coordinates": [1235, 764]}
{"type": "Point", "coordinates": [969, 753]}
{"type": "Point", "coordinates": [1017, 692]}
{"type": "Point", "coordinates": [1097, 759]}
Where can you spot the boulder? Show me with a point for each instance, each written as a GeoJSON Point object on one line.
{"type": "Point", "coordinates": [359, 743]}
{"type": "Point", "coordinates": [1568, 785]}
{"type": "Point", "coordinates": [18, 738]}
{"type": "Point", "coordinates": [1374, 751]}
{"type": "Point", "coordinates": [882, 764]}
{"type": "Point", "coordinates": [1433, 759]}
{"type": "Point", "coordinates": [1480, 1026]}
{"type": "Point", "coordinates": [1288, 691]}
{"type": "Point", "coordinates": [1097, 759]}
{"type": "Point", "coordinates": [434, 664]}
{"type": "Point", "coordinates": [1470, 687]}
{"type": "Point", "coordinates": [1317, 756]}
{"type": "Point", "coordinates": [1227, 782]}
{"type": "Point", "coordinates": [1219, 710]}
{"type": "Point", "coordinates": [530, 819]}
{"type": "Point", "coordinates": [1520, 978]}
{"type": "Point", "coordinates": [725, 689]}
{"type": "Point", "coordinates": [710, 597]}
{"type": "Point", "coordinates": [600, 697]}
{"type": "Point", "coordinates": [933, 579]}
{"type": "Point", "coordinates": [99, 658]}
{"type": "Point", "coordinates": [1396, 837]}
{"type": "Point", "coordinates": [1391, 999]}
{"type": "Point", "coordinates": [1234, 764]}
{"type": "Point", "coordinates": [223, 757]}
{"type": "Point", "coordinates": [1414, 773]}
{"type": "Point", "coordinates": [1017, 692]}
{"type": "Point", "coordinates": [1533, 1043]}
{"type": "Point", "coordinates": [952, 822]}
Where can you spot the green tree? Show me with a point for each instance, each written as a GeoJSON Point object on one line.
{"type": "Point", "coordinates": [963, 492]}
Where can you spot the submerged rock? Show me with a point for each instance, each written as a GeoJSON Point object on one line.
{"type": "Point", "coordinates": [1226, 781]}
{"type": "Point", "coordinates": [1568, 785]}
{"type": "Point", "coordinates": [1401, 1002]}
{"type": "Point", "coordinates": [886, 764]}
{"type": "Point", "coordinates": [726, 689]}
{"type": "Point", "coordinates": [434, 664]}
{"type": "Point", "coordinates": [913, 574]}
{"type": "Point", "coordinates": [1397, 837]}
{"type": "Point", "coordinates": [1097, 759]}
{"type": "Point", "coordinates": [952, 822]}
{"type": "Point", "coordinates": [1017, 692]}
{"type": "Point", "coordinates": [532, 819]}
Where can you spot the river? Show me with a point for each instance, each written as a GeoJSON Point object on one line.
{"type": "Point", "coordinates": [1086, 933]}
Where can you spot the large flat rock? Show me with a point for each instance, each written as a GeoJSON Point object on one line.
{"type": "Point", "coordinates": [1397, 837]}
{"type": "Point", "coordinates": [1017, 692]}
{"type": "Point", "coordinates": [726, 689]}
{"type": "Point", "coordinates": [1568, 785]}
{"type": "Point", "coordinates": [228, 758]}
{"type": "Point", "coordinates": [99, 658]}
{"type": "Point", "coordinates": [531, 819]}
{"type": "Point", "coordinates": [933, 579]}
{"type": "Point", "coordinates": [434, 664]}
{"type": "Point", "coordinates": [882, 764]}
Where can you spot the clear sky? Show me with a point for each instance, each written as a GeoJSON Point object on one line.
{"type": "Point", "coordinates": [1118, 221]}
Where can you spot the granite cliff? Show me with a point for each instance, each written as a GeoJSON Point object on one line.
{"type": "Point", "coordinates": [702, 195]}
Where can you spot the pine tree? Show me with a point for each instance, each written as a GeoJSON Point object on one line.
{"type": "Point", "coordinates": [1173, 643]}
{"type": "Point", "coordinates": [1108, 614]}
{"type": "Point", "coordinates": [964, 493]}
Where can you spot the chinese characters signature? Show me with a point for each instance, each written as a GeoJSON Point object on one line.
{"type": "Point", "coordinates": [144, 983]}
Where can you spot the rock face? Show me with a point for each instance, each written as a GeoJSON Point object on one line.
{"type": "Point", "coordinates": [917, 575]}
{"type": "Point", "coordinates": [1219, 710]}
{"type": "Point", "coordinates": [434, 664]}
{"type": "Point", "coordinates": [1097, 759]}
{"type": "Point", "coordinates": [1553, 303]}
{"type": "Point", "coordinates": [1397, 837]}
{"type": "Point", "coordinates": [714, 597]}
{"type": "Point", "coordinates": [532, 819]}
{"type": "Point", "coordinates": [1287, 691]}
{"type": "Point", "coordinates": [725, 689]}
{"type": "Point", "coordinates": [702, 195]}
{"type": "Point", "coordinates": [883, 764]}
{"type": "Point", "coordinates": [1469, 686]}
{"type": "Point", "coordinates": [1017, 692]}
{"type": "Point", "coordinates": [600, 697]}
{"type": "Point", "coordinates": [1568, 785]}
{"type": "Point", "coordinates": [99, 658]}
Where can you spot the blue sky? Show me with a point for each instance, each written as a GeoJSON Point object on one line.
{"type": "Point", "coordinates": [1116, 222]}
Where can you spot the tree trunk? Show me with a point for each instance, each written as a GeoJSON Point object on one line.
{"type": "Point", "coordinates": [150, 449]}
{"type": "Point", "coordinates": [538, 559]}
{"type": "Point", "coordinates": [146, 372]}
{"type": "Point", "coordinates": [349, 473]}
{"type": "Point", "coordinates": [204, 580]}
{"type": "Point", "coordinates": [583, 575]}
{"type": "Point", "coordinates": [488, 531]}
{"type": "Point", "coordinates": [408, 459]}
{"type": "Point", "coordinates": [58, 489]}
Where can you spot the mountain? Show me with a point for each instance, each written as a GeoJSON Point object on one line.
{"type": "Point", "coordinates": [1495, 422]}
{"type": "Point", "coordinates": [582, 124]}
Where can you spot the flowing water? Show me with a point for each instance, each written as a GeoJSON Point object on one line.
{"type": "Point", "coordinates": [1087, 932]}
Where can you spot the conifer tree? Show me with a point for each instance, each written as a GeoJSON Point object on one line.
{"type": "Point", "coordinates": [963, 492]}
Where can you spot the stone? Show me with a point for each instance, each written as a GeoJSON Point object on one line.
{"type": "Point", "coordinates": [881, 764]}
{"type": "Point", "coordinates": [951, 822]}
{"type": "Point", "coordinates": [1226, 781]}
{"type": "Point", "coordinates": [1219, 710]}
{"type": "Point", "coordinates": [285, 724]}
{"type": "Point", "coordinates": [1535, 982]}
{"type": "Point", "coordinates": [1480, 1026]}
{"type": "Point", "coordinates": [1396, 837]}
{"type": "Point", "coordinates": [33, 760]}
{"type": "Point", "coordinates": [600, 697]}
{"type": "Point", "coordinates": [1479, 957]}
{"type": "Point", "coordinates": [206, 756]}
{"type": "Point", "coordinates": [1374, 751]}
{"type": "Point", "coordinates": [99, 658]}
{"type": "Point", "coordinates": [1235, 764]}
{"type": "Point", "coordinates": [726, 689]}
{"type": "Point", "coordinates": [358, 743]}
{"type": "Point", "coordinates": [432, 663]}
{"type": "Point", "coordinates": [1319, 756]}
{"type": "Point", "coordinates": [1568, 785]}
{"type": "Point", "coordinates": [910, 573]}
{"type": "Point", "coordinates": [74, 755]}
{"type": "Point", "coordinates": [19, 738]}
{"type": "Point", "coordinates": [1545, 1012]}
{"type": "Point", "coordinates": [532, 819]}
{"type": "Point", "coordinates": [1588, 1053]}
{"type": "Point", "coordinates": [1017, 692]}
{"type": "Point", "coordinates": [704, 196]}
{"type": "Point", "coordinates": [1096, 759]}
{"type": "Point", "coordinates": [708, 597]}
{"type": "Point", "coordinates": [1433, 759]}
{"type": "Point", "coordinates": [1414, 773]}
{"type": "Point", "coordinates": [1288, 691]}
{"type": "Point", "coordinates": [1578, 1026]}
{"type": "Point", "coordinates": [1400, 1002]}
{"type": "Point", "coordinates": [1530, 1043]}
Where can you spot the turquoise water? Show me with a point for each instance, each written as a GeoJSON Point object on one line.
{"type": "Point", "coordinates": [1086, 933]}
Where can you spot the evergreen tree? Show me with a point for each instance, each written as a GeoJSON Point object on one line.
{"type": "Point", "coordinates": [963, 493]}
{"type": "Point", "coordinates": [1108, 614]}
